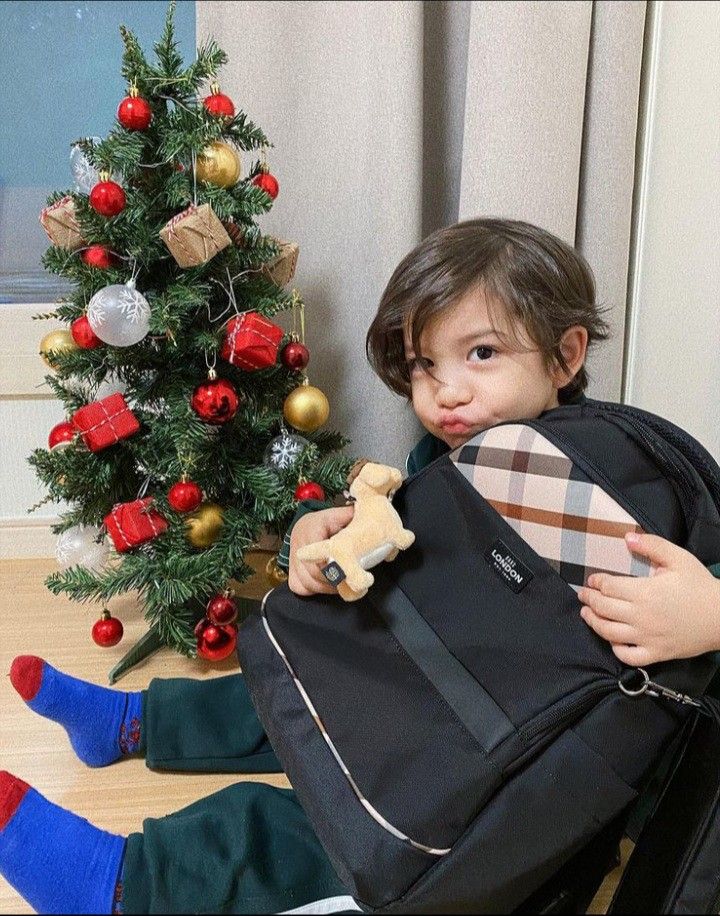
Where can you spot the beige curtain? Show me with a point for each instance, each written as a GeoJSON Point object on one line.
{"type": "Point", "coordinates": [391, 119]}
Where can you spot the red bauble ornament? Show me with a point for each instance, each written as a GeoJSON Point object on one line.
{"type": "Point", "coordinates": [83, 334]}
{"type": "Point", "coordinates": [215, 643]}
{"type": "Point", "coordinates": [107, 198]}
{"type": "Point", "coordinates": [108, 631]}
{"type": "Point", "coordinates": [61, 436]}
{"type": "Point", "coordinates": [219, 104]}
{"type": "Point", "coordinates": [185, 496]}
{"type": "Point", "coordinates": [295, 355]}
{"type": "Point", "coordinates": [268, 183]}
{"type": "Point", "coordinates": [221, 610]}
{"type": "Point", "coordinates": [215, 401]}
{"type": "Point", "coordinates": [134, 113]}
{"type": "Point", "coordinates": [98, 256]}
{"type": "Point", "coordinates": [309, 490]}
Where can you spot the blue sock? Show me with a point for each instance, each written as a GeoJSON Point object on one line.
{"type": "Point", "coordinates": [56, 860]}
{"type": "Point", "coordinates": [102, 724]}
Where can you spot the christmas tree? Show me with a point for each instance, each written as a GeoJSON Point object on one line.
{"type": "Point", "coordinates": [192, 427]}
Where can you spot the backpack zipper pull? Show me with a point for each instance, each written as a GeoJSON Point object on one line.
{"type": "Point", "coordinates": [657, 690]}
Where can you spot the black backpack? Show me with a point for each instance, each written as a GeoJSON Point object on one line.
{"type": "Point", "coordinates": [459, 736]}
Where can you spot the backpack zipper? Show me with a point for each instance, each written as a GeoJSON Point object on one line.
{"type": "Point", "coordinates": [593, 472]}
{"type": "Point", "coordinates": [566, 711]}
{"type": "Point", "coordinates": [657, 447]}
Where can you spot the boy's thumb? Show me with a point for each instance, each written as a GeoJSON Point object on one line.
{"type": "Point", "coordinates": [341, 518]}
{"type": "Point", "coordinates": [656, 549]}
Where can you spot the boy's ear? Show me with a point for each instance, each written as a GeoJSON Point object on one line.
{"type": "Point", "coordinates": [573, 346]}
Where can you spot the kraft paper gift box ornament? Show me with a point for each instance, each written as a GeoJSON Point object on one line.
{"type": "Point", "coordinates": [281, 269]}
{"type": "Point", "coordinates": [195, 236]}
{"type": "Point", "coordinates": [60, 224]}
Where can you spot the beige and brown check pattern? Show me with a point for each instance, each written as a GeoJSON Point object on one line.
{"type": "Point", "coordinates": [569, 520]}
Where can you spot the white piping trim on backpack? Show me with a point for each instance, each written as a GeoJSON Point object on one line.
{"type": "Point", "coordinates": [327, 905]}
{"type": "Point", "coordinates": [376, 816]}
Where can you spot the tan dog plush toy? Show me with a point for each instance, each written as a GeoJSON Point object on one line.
{"type": "Point", "coordinates": [375, 534]}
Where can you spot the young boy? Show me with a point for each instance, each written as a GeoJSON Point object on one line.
{"type": "Point", "coordinates": [491, 320]}
{"type": "Point", "coordinates": [485, 321]}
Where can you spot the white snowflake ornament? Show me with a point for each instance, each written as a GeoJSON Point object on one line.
{"type": "Point", "coordinates": [83, 545]}
{"type": "Point", "coordinates": [119, 315]}
{"type": "Point", "coordinates": [283, 451]}
{"type": "Point", "coordinates": [86, 175]}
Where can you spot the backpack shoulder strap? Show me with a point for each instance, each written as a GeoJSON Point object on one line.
{"type": "Point", "coordinates": [696, 454]}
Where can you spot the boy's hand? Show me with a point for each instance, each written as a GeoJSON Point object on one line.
{"type": "Point", "coordinates": [674, 613]}
{"type": "Point", "coordinates": [306, 578]}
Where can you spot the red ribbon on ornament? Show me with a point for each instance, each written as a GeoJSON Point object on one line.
{"type": "Point", "coordinates": [176, 219]}
{"type": "Point", "coordinates": [56, 206]}
{"type": "Point", "coordinates": [109, 417]}
{"type": "Point", "coordinates": [232, 338]}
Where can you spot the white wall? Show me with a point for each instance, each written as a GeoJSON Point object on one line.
{"type": "Point", "coordinates": [28, 411]}
{"type": "Point", "coordinates": [673, 347]}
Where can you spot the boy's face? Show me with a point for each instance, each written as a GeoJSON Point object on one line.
{"type": "Point", "coordinates": [476, 376]}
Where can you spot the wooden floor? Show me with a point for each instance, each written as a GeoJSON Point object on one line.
{"type": "Point", "coordinates": [118, 797]}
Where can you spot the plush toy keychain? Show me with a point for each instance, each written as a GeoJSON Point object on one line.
{"type": "Point", "coordinates": [375, 534]}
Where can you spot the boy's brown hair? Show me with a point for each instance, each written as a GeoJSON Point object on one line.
{"type": "Point", "coordinates": [544, 284]}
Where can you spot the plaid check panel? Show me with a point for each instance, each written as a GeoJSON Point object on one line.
{"type": "Point", "coordinates": [567, 519]}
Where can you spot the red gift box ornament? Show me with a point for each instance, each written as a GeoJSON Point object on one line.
{"type": "Point", "coordinates": [135, 523]}
{"type": "Point", "coordinates": [105, 422]}
{"type": "Point", "coordinates": [251, 342]}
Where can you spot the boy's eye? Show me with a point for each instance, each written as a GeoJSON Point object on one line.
{"type": "Point", "coordinates": [482, 353]}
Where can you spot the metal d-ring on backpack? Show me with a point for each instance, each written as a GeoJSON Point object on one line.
{"type": "Point", "coordinates": [459, 734]}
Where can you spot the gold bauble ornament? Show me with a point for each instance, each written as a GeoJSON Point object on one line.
{"type": "Point", "coordinates": [218, 164]}
{"type": "Point", "coordinates": [203, 527]}
{"type": "Point", "coordinates": [56, 341]}
{"type": "Point", "coordinates": [306, 408]}
{"type": "Point", "coordinates": [274, 572]}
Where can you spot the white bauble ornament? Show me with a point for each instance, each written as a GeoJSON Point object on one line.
{"type": "Point", "coordinates": [86, 175]}
{"type": "Point", "coordinates": [283, 451]}
{"type": "Point", "coordinates": [111, 384]}
{"type": "Point", "coordinates": [79, 546]}
{"type": "Point", "coordinates": [119, 315]}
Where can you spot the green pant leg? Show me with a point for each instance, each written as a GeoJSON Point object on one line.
{"type": "Point", "coordinates": [246, 849]}
{"type": "Point", "coordinates": [204, 727]}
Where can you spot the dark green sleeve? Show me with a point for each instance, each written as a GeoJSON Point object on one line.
{"type": "Point", "coordinates": [427, 450]}
{"type": "Point", "coordinates": [307, 505]}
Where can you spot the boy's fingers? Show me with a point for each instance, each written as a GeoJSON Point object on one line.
{"type": "Point", "coordinates": [635, 656]}
{"type": "Point", "coordinates": [341, 518]}
{"type": "Point", "coordinates": [311, 579]}
{"type": "Point", "coordinates": [296, 586]}
{"type": "Point", "coordinates": [604, 606]}
{"type": "Point", "coordinates": [610, 630]}
{"type": "Point", "coordinates": [625, 587]}
{"type": "Point", "coordinates": [656, 549]}
{"type": "Point", "coordinates": [306, 587]}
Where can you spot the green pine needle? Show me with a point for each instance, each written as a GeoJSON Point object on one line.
{"type": "Point", "coordinates": [189, 309]}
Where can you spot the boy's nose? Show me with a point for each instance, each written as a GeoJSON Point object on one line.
{"type": "Point", "coordinates": [452, 394]}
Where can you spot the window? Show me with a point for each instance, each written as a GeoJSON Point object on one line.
{"type": "Point", "coordinates": [60, 66]}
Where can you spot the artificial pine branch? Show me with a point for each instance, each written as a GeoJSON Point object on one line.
{"type": "Point", "coordinates": [166, 50]}
{"type": "Point", "coordinates": [189, 309]}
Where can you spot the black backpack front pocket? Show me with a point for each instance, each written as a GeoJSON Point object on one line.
{"type": "Point", "coordinates": [412, 760]}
